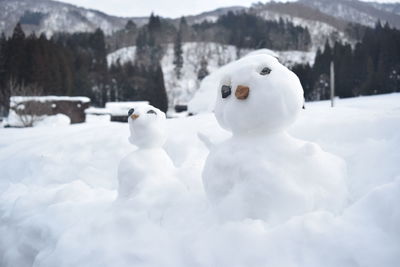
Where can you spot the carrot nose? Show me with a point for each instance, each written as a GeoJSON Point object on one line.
{"type": "Point", "coordinates": [134, 116]}
{"type": "Point", "coordinates": [242, 92]}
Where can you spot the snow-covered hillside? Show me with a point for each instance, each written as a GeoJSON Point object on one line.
{"type": "Point", "coordinates": [52, 16]}
{"type": "Point", "coordinates": [361, 12]}
{"type": "Point", "coordinates": [58, 189]}
{"type": "Point", "coordinates": [182, 90]}
{"type": "Point", "coordinates": [45, 16]}
{"type": "Point", "coordinates": [319, 31]}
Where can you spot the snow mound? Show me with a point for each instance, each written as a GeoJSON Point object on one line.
{"type": "Point", "coordinates": [15, 120]}
{"type": "Point", "coordinates": [58, 192]}
{"type": "Point", "coordinates": [53, 121]}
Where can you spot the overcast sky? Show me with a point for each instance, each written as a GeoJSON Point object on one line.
{"type": "Point", "coordinates": [165, 8]}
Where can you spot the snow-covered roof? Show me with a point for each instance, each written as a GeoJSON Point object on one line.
{"type": "Point", "coordinates": [122, 108]}
{"type": "Point", "coordinates": [97, 111]}
{"type": "Point", "coordinates": [18, 99]}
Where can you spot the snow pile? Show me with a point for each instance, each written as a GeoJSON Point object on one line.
{"type": "Point", "coordinates": [15, 120]}
{"type": "Point", "coordinates": [58, 192]}
{"type": "Point", "coordinates": [57, 120]}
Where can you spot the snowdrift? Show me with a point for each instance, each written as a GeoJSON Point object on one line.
{"type": "Point", "coordinates": [58, 190]}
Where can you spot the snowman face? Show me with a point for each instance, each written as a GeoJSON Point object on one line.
{"type": "Point", "coordinates": [257, 93]}
{"type": "Point", "coordinates": [147, 126]}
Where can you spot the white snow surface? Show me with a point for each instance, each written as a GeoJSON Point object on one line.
{"type": "Point", "coordinates": [120, 108]}
{"type": "Point", "coordinates": [58, 120]}
{"type": "Point", "coordinates": [15, 120]}
{"type": "Point", "coordinates": [58, 192]}
{"type": "Point", "coordinates": [14, 100]}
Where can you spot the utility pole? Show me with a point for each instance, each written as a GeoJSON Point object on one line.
{"type": "Point", "coordinates": [332, 84]}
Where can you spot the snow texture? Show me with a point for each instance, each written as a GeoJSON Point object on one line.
{"type": "Point", "coordinates": [58, 192]}
{"type": "Point", "coordinates": [14, 100]}
{"type": "Point", "coordinates": [58, 120]}
{"type": "Point", "coordinates": [119, 108]}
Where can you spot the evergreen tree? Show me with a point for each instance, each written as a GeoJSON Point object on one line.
{"type": "Point", "coordinates": [159, 97]}
{"type": "Point", "coordinates": [246, 30]}
{"type": "Point", "coordinates": [3, 43]}
{"type": "Point", "coordinates": [178, 58]}
{"type": "Point", "coordinates": [149, 50]}
{"type": "Point", "coordinates": [185, 30]}
{"type": "Point", "coordinates": [203, 71]}
{"type": "Point", "coordinates": [16, 55]}
{"type": "Point", "coordinates": [4, 96]}
{"type": "Point", "coordinates": [130, 26]}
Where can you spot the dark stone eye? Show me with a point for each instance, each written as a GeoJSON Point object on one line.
{"type": "Point", "coordinates": [130, 112]}
{"type": "Point", "coordinates": [265, 71]}
{"type": "Point", "coordinates": [226, 91]}
{"type": "Point", "coordinates": [151, 112]}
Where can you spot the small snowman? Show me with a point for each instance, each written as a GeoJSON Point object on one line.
{"type": "Point", "coordinates": [262, 172]}
{"type": "Point", "coordinates": [145, 173]}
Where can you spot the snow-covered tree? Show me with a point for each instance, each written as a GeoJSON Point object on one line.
{"type": "Point", "coordinates": [178, 57]}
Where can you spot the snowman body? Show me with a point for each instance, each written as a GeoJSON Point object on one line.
{"type": "Point", "coordinates": [145, 173]}
{"type": "Point", "coordinates": [261, 172]}
{"type": "Point", "coordinates": [143, 170]}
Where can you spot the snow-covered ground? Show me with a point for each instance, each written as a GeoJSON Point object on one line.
{"type": "Point", "coordinates": [58, 188]}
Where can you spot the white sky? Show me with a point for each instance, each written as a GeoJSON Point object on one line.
{"type": "Point", "coordinates": [165, 8]}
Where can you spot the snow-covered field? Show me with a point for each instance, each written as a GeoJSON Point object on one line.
{"type": "Point", "coordinates": [58, 187]}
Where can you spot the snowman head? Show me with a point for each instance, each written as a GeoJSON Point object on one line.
{"type": "Point", "coordinates": [147, 126]}
{"type": "Point", "coordinates": [258, 94]}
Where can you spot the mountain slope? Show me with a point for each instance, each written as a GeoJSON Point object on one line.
{"type": "Point", "coordinates": [321, 26]}
{"type": "Point", "coordinates": [51, 16]}
{"type": "Point", "coordinates": [356, 11]}
{"type": "Point", "coordinates": [45, 16]}
{"type": "Point", "coordinates": [180, 91]}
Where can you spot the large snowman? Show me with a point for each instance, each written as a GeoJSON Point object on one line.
{"type": "Point", "coordinates": [261, 172]}
{"type": "Point", "coordinates": [147, 173]}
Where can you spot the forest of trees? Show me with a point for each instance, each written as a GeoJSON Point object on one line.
{"type": "Point", "coordinates": [246, 30]}
{"type": "Point", "coordinates": [142, 80]}
{"type": "Point", "coordinates": [371, 67]}
{"type": "Point", "coordinates": [75, 64]}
